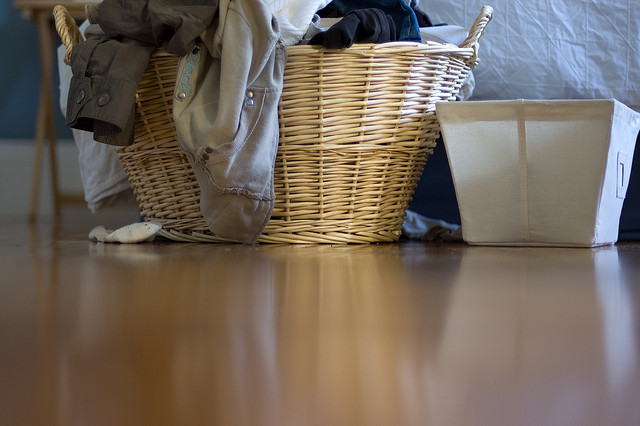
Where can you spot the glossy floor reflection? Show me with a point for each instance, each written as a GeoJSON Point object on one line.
{"type": "Point", "coordinates": [396, 334]}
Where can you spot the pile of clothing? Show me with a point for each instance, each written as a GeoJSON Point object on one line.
{"type": "Point", "coordinates": [229, 80]}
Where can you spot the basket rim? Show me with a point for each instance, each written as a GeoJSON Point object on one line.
{"type": "Point", "coordinates": [371, 49]}
{"type": "Point", "coordinates": [392, 47]}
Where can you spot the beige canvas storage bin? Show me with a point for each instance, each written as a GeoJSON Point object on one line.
{"type": "Point", "coordinates": [547, 173]}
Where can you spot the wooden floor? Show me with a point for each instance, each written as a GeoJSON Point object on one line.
{"type": "Point", "coordinates": [397, 334]}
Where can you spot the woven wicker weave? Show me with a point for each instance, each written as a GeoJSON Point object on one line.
{"type": "Point", "coordinates": [356, 128]}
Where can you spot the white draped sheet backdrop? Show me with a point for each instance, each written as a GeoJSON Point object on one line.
{"type": "Point", "coordinates": [552, 49]}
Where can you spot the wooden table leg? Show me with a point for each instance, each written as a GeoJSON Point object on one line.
{"type": "Point", "coordinates": [45, 126]}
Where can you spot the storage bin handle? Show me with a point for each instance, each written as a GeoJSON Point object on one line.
{"type": "Point", "coordinates": [476, 32]}
{"type": "Point", "coordinates": [67, 30]}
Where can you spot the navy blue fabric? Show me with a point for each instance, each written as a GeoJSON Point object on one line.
{"type": "Point", "coordinates": [358, 26]}
{"type": "Point", "coordinates": [404, 18]}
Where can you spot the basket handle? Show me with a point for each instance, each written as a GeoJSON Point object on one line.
{"type": "Point", "coordinates": [67, 30]}
{"type": "Point", "coordinates": [476, 32]}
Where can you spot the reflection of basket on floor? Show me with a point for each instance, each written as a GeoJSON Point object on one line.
{"type": "Point", "coordinates": [356, 127]}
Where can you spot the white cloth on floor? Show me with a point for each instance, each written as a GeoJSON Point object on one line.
{"type": "Point", "coordinates": [103, 179]}
{"type": "Point", "coordinates": [294, 17]}
{"type": "Point", "coordinates": [139, 232]}
{"type": "Point", "coordinates": [418, 227]}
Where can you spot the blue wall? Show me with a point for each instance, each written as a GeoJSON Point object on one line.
{"type": "Point", "coordinates": [20, 77]}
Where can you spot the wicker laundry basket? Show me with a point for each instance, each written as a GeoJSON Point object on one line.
{"type": "Point", "coordinates": [356, 128]}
